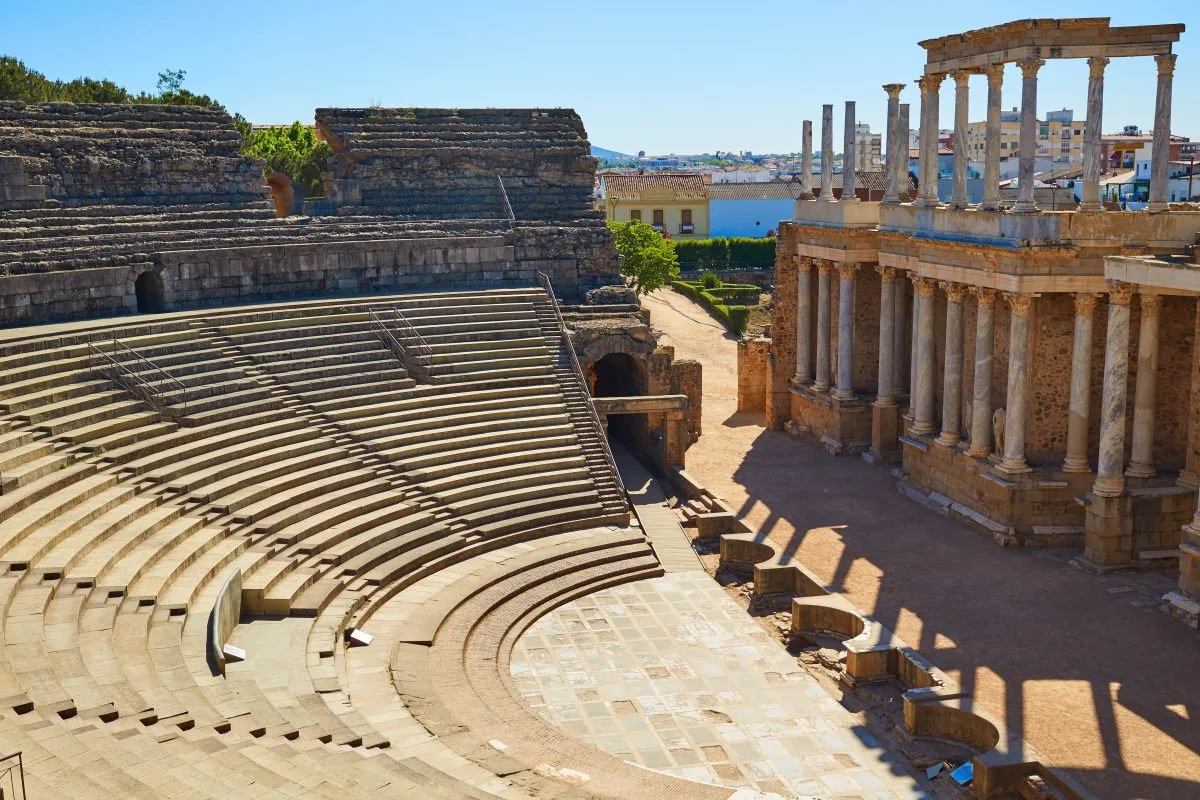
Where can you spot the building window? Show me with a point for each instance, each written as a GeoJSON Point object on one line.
{"type": "Point", "coordinates": [658, 219]}
{"type": "Point", "coordinates": [685, 225]}
{"type": "Point", "coordinates": [635, 214]}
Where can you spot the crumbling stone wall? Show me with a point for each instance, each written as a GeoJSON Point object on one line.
{"type": "Point", "coordinates": [781, 364]}
{"type": "Point", "coordinates": [436, 163]}
{"type": "Point", "coordinates": [687, 377]}
{"type": "Point", "coordinates": [752, 355]}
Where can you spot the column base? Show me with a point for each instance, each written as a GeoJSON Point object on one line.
{"type": "Point", "coordinates": [844, 395]}
{"type": "Point", "coordinates": [926, 203]}
{"type": "Point", "coordinates": [890, 201]}
{"type": "Point", "coordinates": [978, 452]}
{"type": "Point", "coordinates": [820, 387]}
{"type": "Point", "coordinates": [801, 380]}
{"type": "Point", "coordinates": [1108, 537]}
{"type": "Point", "coordinates": [922, 429]}
{"type": "Point", "coordinates": [1108, 487]}
{"type": "Point", "coordinates": [1157, 208]}
{"type": "Point", "coordinates": [946, 440]}
{"type": "Point", "coordinates": [1013, 466]}
{"type": "Point", "coordinates": [989, 205]}
{"type": "Point", "coordinates": [1090, 208]}
{"type": "Point", "coordinates": [885, 432]}
{"type": "Point", "coordinates": [1136, 470]}
{"type": "Point", "coordinates": [958, 205]}
{"type": "Point", "coordinates": [1076, 465]}
{"type": "Point", "coordinates": [1024, 208]}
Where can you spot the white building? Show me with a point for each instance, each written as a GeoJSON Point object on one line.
{"type": "Point", "coordinates": [868, 148]}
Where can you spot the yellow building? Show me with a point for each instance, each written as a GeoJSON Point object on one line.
{"type": "Point", "coordinates": [1059, 137]}
{"type": "Point", "coordinates": [673, 203]}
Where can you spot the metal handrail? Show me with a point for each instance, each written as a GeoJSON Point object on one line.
{"type": "Point", "coordinates": [387, 337]}
{"type": "Point", "coordinates": [133, 381]}
{"type": "Point", "coordinates": [19, 767]}
{"type": "Point", "coordinates": [569, 346]}
{"type": "Point", "coordinates": [508, 209]}
{"type": "Point", "coordinates": [410, 347]}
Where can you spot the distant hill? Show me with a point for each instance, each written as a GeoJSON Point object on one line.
{"type": "Point", "coordinates": [611, 155]}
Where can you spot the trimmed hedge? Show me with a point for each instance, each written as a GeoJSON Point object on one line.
{"type": "Point", "coordinates": [738, 252]}
{"type": "Point", "coordinates": [737, 294]}
{"type": "Point", "coordinates": [735, 317]}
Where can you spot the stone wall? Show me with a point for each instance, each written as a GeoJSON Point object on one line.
{"type": "Point", "coordinates": [782, 359]}
{"type": "Point", "coordinates": [431, 163]}
{"type": "Point", "coordinates": [752, 355]}
{"type": "Point", "coordinates": [687, 378]}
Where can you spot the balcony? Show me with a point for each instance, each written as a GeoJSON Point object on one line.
{"type": "Point", "coordinates": [687, 229]}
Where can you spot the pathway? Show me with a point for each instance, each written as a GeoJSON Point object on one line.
{"type": "Point", "coordinates": [1085, 667]}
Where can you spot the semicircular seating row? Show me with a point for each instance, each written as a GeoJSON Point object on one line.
{"type": "Point", "coordinates": [290, 444]}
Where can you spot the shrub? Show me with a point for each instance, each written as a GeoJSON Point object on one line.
{"type": "Point", "coordinates": [725, 254]}
{"type": "Point", "coordinates": [709, 280]}
{"type": "Point", "coordinates": [735, 317]}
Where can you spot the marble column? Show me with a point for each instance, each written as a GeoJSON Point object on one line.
{"type": "Point", "coordinates": [1141, 456]}
{"type": "Point", "coordinates": [952, 367]}
{"type": "Point", "coordinates": [849, 156]}
{"type": "Point", "coordinates": [962, 87]}
{"type": "Point", "coordinates": [981, 388]}
{"type": "Point", "coordinates": [806, 161]}
{"type": "Point", "coordinates": [823, 326]}
{"type": "Point", "coordinates": [845, 365]}
{"type": "Point", "coordinates": [923, 423]}
{"type": "Point", "coordinates": [885, 395]}
{"type": "Point", "coordinates": [1028, 145]}
{"type": "Point", "coordinates": [1090, 197]}
{"type": "Point", "coordinates": [1110, 478]}
{"type": "Point", "coordinates": [826, 153]}
{"type": "Point", "coordinates": [1081, 386]}
{"type": "Point", "coordinates": [803, 320]}
{"type": "Point", "coordinates": [930, 86]}
{"type": "Point", "coordinates": [897, 146]}
{"type": "Point", "coordinates": [914, 343]}
{"type": "Point", "coordinates": [1018, 383]}
{"type": "Point", "coordinates": [902, 178]}
{"type": "Point", "coordinates": [1160, 156]}
{"type": "Point", "coordinates": [991, 153]}
{"type": "Point", "coordinates": [901, 320]}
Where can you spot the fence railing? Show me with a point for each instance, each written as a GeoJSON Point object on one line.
{"type": "Point", "coordinates": [508, 209]}
{"type": "Point", "coordinates": [569, 346]}
{"type": "Point", "coordinates": [12, 772]}
{"type": "Point", "coordinates": [159, 390]}
{"type": "Point", "coordinates": [406, 343]}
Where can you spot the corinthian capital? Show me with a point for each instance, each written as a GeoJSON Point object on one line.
{"type": "Point", "coordinates": [1096, 65]}
{"type": "Point", "coordinates": [1085, 304]}
{"type": "Point", "coordinates": [1119, 293]}
{"type": "Point", "coordinates": [1019, 303]}
{"type": "Point", "coordinates": [893, 90]}
{"type": "Point", "coordinates": [1166, 65]}
{"type": "Point", "coordinates": [1030, 66]}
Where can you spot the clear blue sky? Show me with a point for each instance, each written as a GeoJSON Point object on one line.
{"type": "Point", "coordinates": [661, 76]}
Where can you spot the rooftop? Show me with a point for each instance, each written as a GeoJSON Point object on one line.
{"type": "Point", "coordinates": [632, 186]}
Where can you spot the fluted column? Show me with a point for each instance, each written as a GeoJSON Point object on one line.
{"type": "Point", "coordinates": [962, 87]}
{"type": "Point", "coordinates": [1090, 196]}
{"type": "Point", "coordinates": [849, 156]}
{"type": "Point", "coordinates": [1160, 156]}
{"type": "Point", "coordinates": [1081, 386]}
{"type": "Point", "coordinates": [885, 395]}
{"type": "Point", "coordinates": [803, 319]}
{"type": "Point", "coordinates": [1028, 145]}
{"type": "Point", "coordinates": [930, 86]}
{"type": "Point", "coordinates": [914, 343]}
{"type": "Point", "coordinates": [826, 153]}
{"type": "Point", "coordinates": [806, 161]}
{"type": "Point", "coordinates": [845, 371]}
{"type": "Point", "coordinates": [1018, 383]}
{"type": "Point", "coordinates": [991, 154]}
{"type": "Point", "coordinates": [923, 424]}
{"type": "Point", "coordinates": [823, 323]}
{"type": "Point", "coordinates": [953, 366]}
{"type": "Point", "coordinates": [1141, 456]}
{"type": "Point", "coordinates": [900, 315]}
{"type": "Point", "coordinates": [981, 388]}
{"type": "Point", "coordinates": [1110, 478]}
{"type": "Point", "coordinates": [897, 146]}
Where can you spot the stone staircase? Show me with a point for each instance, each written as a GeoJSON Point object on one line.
{"type": "Point", "coordinates": [301, 453]}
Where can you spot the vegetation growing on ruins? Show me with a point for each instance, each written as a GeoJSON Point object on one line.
{"type": "Point", "coordinates": [649, 259]}
{"type": "Point", "coordinates": [294, 150]}
{"type": "Point", "coordinates": [19, 82]}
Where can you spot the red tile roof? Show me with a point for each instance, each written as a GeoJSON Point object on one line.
{"type": "Point", "coordinates": [631, 186]}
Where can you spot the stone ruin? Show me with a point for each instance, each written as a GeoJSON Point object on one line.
{"type": "Point", "coordinates": [92, 197]}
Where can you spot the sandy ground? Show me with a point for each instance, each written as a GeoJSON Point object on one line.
{"type": "Point", "coordinates": [1084, 667]}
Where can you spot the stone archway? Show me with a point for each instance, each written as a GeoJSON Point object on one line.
{"type": "Point", "coordinates": [622, 375]}
{"type": "Point", "coordinates": [148, 288]}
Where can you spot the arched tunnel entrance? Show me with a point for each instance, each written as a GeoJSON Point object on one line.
{"type": "Point", "coordinates": [148, 289]}
{"type": "Point", "coordinates": [621, 375]}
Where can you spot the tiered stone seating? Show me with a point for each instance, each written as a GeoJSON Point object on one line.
{"type": "Point", "coordinates": [289, 443]}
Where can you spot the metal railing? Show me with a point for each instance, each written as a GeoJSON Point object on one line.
{"type": "Point", "coordinates": [168, 390]}
{"type": "Point", "coordinates": [7, 768]}
{"type": "Point", "coordinates": [508, 209]}
{"type": "Point", "coordinates": [409, 346]}
{"type": "Point", "coordinates": [569, 346]}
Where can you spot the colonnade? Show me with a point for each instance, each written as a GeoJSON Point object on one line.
{"type": "Point", "coordinates": [950, 430]}
{"type": "Point", "coordinates": [930, 86]}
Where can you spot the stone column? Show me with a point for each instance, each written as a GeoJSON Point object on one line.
{"type": "Point", "coordinates": [826, 153]}
{"type": "Point", "coordinates": [845, 371]}
{"type": "Point", "coordinates": [897, 146]}
{"type": "Point", "coordinates": [1081, 386]}
{"type": "Point", "coordinates": [1028, 146]}
{"type": "Point", "coordinates": [806, 161]}
{"type": "Point", "coordinates": [1018, 384]}
{"type": "Point", "coordinates": [927, 192]}
{"type": "Point", "coordinates": [803, 319]}
{"type": "Point", "coordinates": [1141, 456]}
{"type": "Point", "coordinates": [953, 366]}
{"type": "Point", "coordinates": [823, 323]}
{"type": "Point", "coordinates": [1090, 198]}
{"type": "Point", "coordinates": [885, 396]}
{"type": "Point", "coordinates": [914, 343]}
{"type": "Point", "coordinates": [1110, 479]}
{"type": "Point", "coordinates": [991, 154]}
{"type": "Point", "coordinates": [849, 156]}
{"type": "Point", "coordinates": [902, 180]}
{"type": "Point", "coordinates": [962, 79]}
{"type": "Point", "coordinates": [901, 320]}
{"type": "Point", "coordinates": [1160, 156]}
{"type": "Point", "coordinates": [923, 424]}
{"type": "Point", "coordinates": [981, 389]}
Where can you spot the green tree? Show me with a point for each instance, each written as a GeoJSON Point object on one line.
{"type": "Point", "coordinates": [649, 259]}
{"type": "Point", "coordinates": [294, 150]}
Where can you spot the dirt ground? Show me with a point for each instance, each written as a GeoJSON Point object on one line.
{"type": "Point", "coordinates": [1083, 667]}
